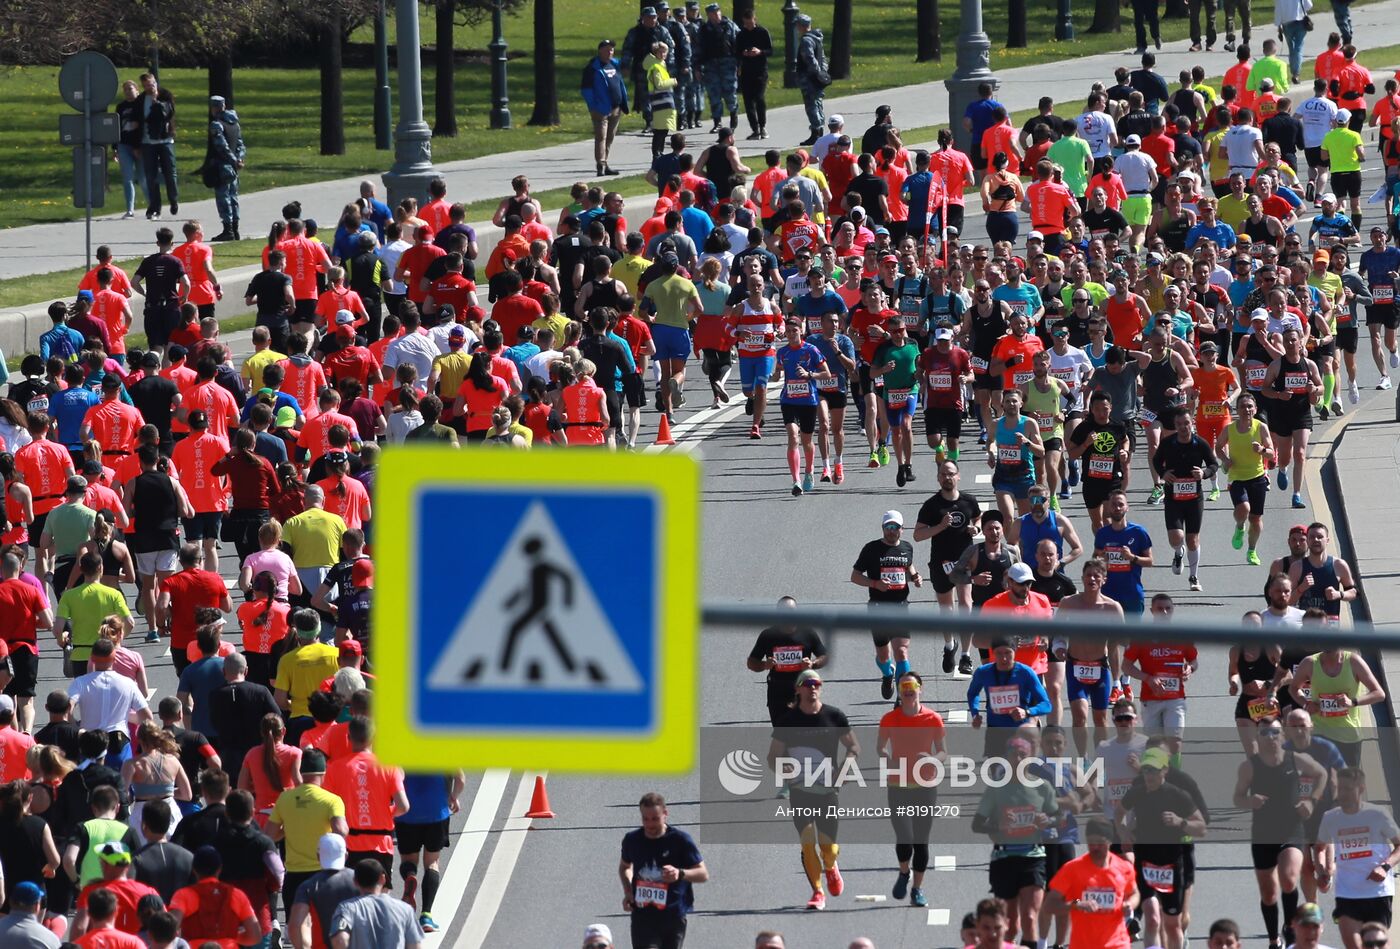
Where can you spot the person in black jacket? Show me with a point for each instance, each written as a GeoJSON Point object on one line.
{"type": "Point", "coordinates": [636, 47]}
{"type": "Point", "coordinates": [128, 151]}
{"type": "Point", "coordinates": [157, 110]}
{"type": "Point", "coordinates": [755, 45]}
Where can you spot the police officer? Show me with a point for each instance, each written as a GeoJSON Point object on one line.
{"type": "Point", "coordinates": [223, 157]}
{"type": "Point", "coordinates": [719, 65]}
{"type": "Point", "coordinates": [812, 75]}
{"type": "Point", "coordinates": [678, 60]}
{"type": "Point", "coordinates": [695, 92]}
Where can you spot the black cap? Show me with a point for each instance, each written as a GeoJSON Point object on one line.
{"type": "Point", "coordinates": [176, 352]}
{"type": "Point", "coordinates": [111, 383]}
{"type": "Point", "coordinates": [151, 360]}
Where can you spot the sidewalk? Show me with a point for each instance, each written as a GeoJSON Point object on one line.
{"type": "Point", "coordinates": [1366, 462]}
{"type": "Point", "coordinates": [48, 247]}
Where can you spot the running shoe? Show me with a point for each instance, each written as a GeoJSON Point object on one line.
{"type": "Point", "coordinates": [1155, 497]}
{"type": "Point", "coordinates": [1336, 406]}
{"type": "Point", "coordinates": [1252, 559]}
{"type": "Point", "coordinates": [1282, 478]}
{"type": "Point", "coordinates": [1115, 695]}
{"type": "Point", "coordinates": [748, 405]}
{"type": "Point", "coordinates": [1128, 691]}
{"type": "Point", "coordinates": [965, 665]}
{"type": "Point", "coordinates": [429, 925]}
{"type": "Point", "coordinates": [1055, 502]}
{"type": "Point", "coordinates": [796, 490]}
{"type": "Point", "coordinates": [909, 473]}
{"type": "Point", "coordinates": [720, 392]}
{"type": "Point", "coordinates": [818, 900]}
{"type": "Point", "coordinates": [950, 656]}
{"type": "Point", "coordinates": [874, 460]}
{"type": "Point", "coordinates": [1384, 383]}
{"type": "Point", "coordinates": [1214, 494]}
{"type": "Point", "coordinates": [1298, 504]}
{"type": "Point", "coordinates": [1354, 394]}
{"type": "Point", "coordinates": [754, 433]}
{"type": "Point", "coordinates": [839, 475]}
{"type": "Point", "coordinates": [899, 478]}
{"type": "Point", "coordinates": [1237, 540]}
{"type": "Point", "coordinates": [1312, 190]}
{"type": "Point", "coordinates": [1073, 479]}
{"type": "Point", "coordinates": [677, 396]}
{"type": "Point", "coordinates": [826, 475]}
{"type": "Point", "coordinates": [807, 481]}
{"type": "Point", "coordinates": [834, 883]}
{"type": "Point", "coordinates": [1322, 411]}
{"type": "Point", "coordinates": [887, 687]}
{"type": "Point", "coordinates": [1177, 560]}
{"type": "Point", "coordinates": [901, 886]}
{"type": "Point", "coordinates": [1066, 492]}
{"type": "Point", "coordinates": [1195, 585]}
{"type": "Point", "coordinates": [884, 455]}
{"type": "Point", "coordinates": [152, 636]}
{"type": "Point", "coordinates": [1229, 46]}
{"type": "Point", "coordinates": [917, 898]}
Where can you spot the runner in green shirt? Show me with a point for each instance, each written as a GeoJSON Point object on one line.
{"type": "Point", "coordinates": [1073, 154]}
{"type": "Point", "coordinates": [895, 362]}
{"type": "Point", "coordinates": [83, 608]}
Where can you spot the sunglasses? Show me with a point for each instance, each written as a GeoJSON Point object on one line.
{"type": "Point", "coordinates": [1125, 718]}
{"type": "Point", "coordinates": [1374, 943]}
{"type": "Point", "coordinates": [595, 945]}
{"type": "Point", "coordinates": [1270, 732]}
{"type": "Point", "coordinates": [811, 684]}
{"type": "Point", "coordinates": [1147, 769]}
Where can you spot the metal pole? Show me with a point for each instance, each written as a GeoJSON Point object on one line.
{"type": "Point", "coordinates": [87, 163]}
{"type": "Point", "coordinates": [383, 134]}
{"type": "Point", "coordinates": [413, 140]}
{"type": "Point", "coordinates": [1064, 23]}
{"type": "Point", "coordinates": [790, 11]}
{"type": "Point", "coordinates": [974, 59]}
{"type": "Point", "coordinates": [500, 100]}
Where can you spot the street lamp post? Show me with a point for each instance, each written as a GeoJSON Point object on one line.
{"type": "Point", "coordinates": [500, 101]}
{"type": "Point", "coordinates": [1064, 22]}
{"type": "Point", "coordinates": [383, 132]}
{"type": "Point", "coordinates": [790, 11]}
{"type": "Point", "coordinates": [974, 59]}
{"type": "Point", "coordinates": [413, 140]}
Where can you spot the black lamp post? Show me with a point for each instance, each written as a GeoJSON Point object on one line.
{"type": "Point", "coordinates": [383, 134]}
{"type": "Point", "coordinates": [790, 11]}
{"type": "Point", "coordinates": [1064, 23]}
{"type": "Point", "coordinates": [974, 59]}
{"type": "Point", "coordinates": [500, 100]}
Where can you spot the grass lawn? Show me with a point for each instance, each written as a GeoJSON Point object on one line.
{"type": "Point", "coordinates": [280, 109]}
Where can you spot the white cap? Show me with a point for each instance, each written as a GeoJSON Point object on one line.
{"type": "Point", "coordinates": [1035, 236]}
{"type": "Point", "coordinates": [597, 931]}
{"type": "Point", "coordinates": [1328, 198]}
{"type": "Point", "coordinates": [1343, 116]}
{"type": "Point", "coordinates": [1020, 573]}
{"type": "Point", "coordinates": [892, 517]}
{"type": "Point", "coordinates": [1259, 314]}
{"type": "Point", "coordinates": [1188, 173]}
{"type": "Point", "coordinates": [835, 120]}
{"type": "Point", "coordinates": [1132, 140]}
{"type": "Point", "coordinates": [942, 334]}
{"type": "Point", "coordinates": [344, 317]}
{"type": "Point", "coordinates": [7, 704]}
{"type": "Point", "coordinates": [331, 852]}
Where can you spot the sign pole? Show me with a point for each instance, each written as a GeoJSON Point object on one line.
{"type": "Point", "coordinates": [87, 163]}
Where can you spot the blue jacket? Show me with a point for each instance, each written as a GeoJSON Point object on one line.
{"type": "Point", "coordinates": [606, 89]}
{"type": "Point", "coordinates": [1033, 696]}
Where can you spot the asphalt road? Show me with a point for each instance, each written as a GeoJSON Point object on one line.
{"type": "Point", "coordinates": [513, 882]}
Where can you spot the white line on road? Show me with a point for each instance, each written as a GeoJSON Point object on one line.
{"type": "Point", "coordinates": [938, 917]}
{"type": "Point", "coordinates": [983, 479]}
{"type": "Point", "coordinates": [468, 847]}
{"type": "Point", "coordinates": [499, 870]}
{"type": "Point", "coordinates": [956, 716]}
{"type": "Point", "coordinates": [945, 863]}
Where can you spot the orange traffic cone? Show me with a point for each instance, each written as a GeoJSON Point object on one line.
{"type": "Point", "coordinates": [663, 431]}
{"type": "Point", "coordinates": [539, 801]}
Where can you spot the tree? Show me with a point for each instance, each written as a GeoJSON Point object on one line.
{"type": "Point", "coordinates": [445, 71]}
{"type": "Point", "coordinates": [1016, 24]}
{"type": "Point", "coordinates": [332, 100]}
{"type": "Point", "coordinates": [1106, 17]}
{"type": "Point", "coordinates": [221, 77]}
{"type": "Point", "coordinates": [927, 28]}
{"type": "Point", "coordinates": [839, 64]}
{"type": "Point", "coordinates": [546, 84]}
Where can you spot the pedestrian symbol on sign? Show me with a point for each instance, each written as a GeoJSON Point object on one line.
{"type": "Point", "coordinates": [535, 623]}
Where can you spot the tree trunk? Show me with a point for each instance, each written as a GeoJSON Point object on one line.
{"type": "Point", "coordinates": [546, 84]}
{"type": "Point", "coordinates": [1175, 9]}
{"type": "Point", "coordinates": [1016, 24]}
{"type": "Point", "coordinates": [839, 64]}
{"type": "Point", "coordinates": [332, 100]}
{"type": "Point", "coordinates": [930, 42]}
{"type": "Point", "coordinates": [221, 77]}
{"type": "Point", "coordinates": [1106, 17]}
{"type": "Point", "coordinates": [444, 72]}
{"type": "Point", "coordinates": [740, 6]}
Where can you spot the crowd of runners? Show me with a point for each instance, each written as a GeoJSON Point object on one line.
{"type": "Point", "coordinates": [1185, 285]}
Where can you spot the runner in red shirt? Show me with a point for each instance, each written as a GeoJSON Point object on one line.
{"type": "Point", "coordinates": [112, 422]}
{"type": "Point", "coordinates": [336, 298]}
{"type": "Point", "coordinates": [350, 361]}
{"type": "Point", "coordinates": [373, 795]}
{"type": "Point", "coordinates": [1001, 138]}
{"type": "Point", "coordinates": [1238, 77]}
{"type": "Point", "coordinates": [207, 396]}
{"type": "Point", "coordinates": [112, 309]}
{"type": "Point", "coordinates": [512, 308]}
{"type": "Point", "coordinates": [195, 457]}
{"type": "Point", "coordinates": [1020, 600]}
{"type": "Point", "coordinates": [129, 893]}
{"type": "Point", "coordinates": [413, 263]}
{"type": "Point", "coordinates": [45, 466]}
{"type": "Point", "coordinates": [14, 744]}
{"type": "Point", "coordinates": [1017, 342]}
{"type": "Point", "coordinates": [1099, 889]}
{"type": "Point", "coordinates": [955, 170]}
{"type": "Point", "coordinates": [198, 258]}
{"type": "Point", "coordinates": [1330, 60]}
{"type": "Point", "coordinates": [839, 166]}
{"type": "Point", "coordinates": [120, 281]}
{"type": "Point", "coordinates": [797, 233]}
{"type": "Point", "coordinates": [452, 289]}
{"type": "Point", "coordinates": [183, 593]}
{"type": "Point", "coordinates": [1163, 669]}
{"type": "Point", "coordinates": [438, 211]}
{"type": "Point", "coordinates": [344, 495]}
{"type": "Point", "coordinates": [213, 911]}
{"type": "Point", "coordinates": [910, 738]}
{"type": "Point", "coordinates": [1051, 205]}
{"type": "Point", "coordinates": [584, 411]}
{"type": "Point", "coordinates": [313, 439]}
{"type": "Point", "coordinates": [305, 259]}
{"type": "Point", "coordinates": [944, 369]}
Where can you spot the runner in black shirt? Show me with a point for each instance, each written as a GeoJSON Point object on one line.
{"type": "Point", "coordinates": [873, 191]}
{"type": "Point", "coordinates": [1183, 459]}
{"type": "Point", "coordinates": [156, 397]}
{"type": "Point", "coordinates": [785, 652]}
{"type": "Point", "coordinates": [271, 290]}
{"type": "Point", "coordinates": [161, 278]}
{"type": "Point", "coordinates": [949, 521]}
{"type": "Point", "coordinates": [886, 568]}
{"type": "Point", "coordinates": [1103, 447]}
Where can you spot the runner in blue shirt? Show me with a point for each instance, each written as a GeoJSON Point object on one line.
{"type": "Point", "coordinates": [1014, 695]}
{"type": "Point", "coordinates": [803, 368]}
{"type": "Point", "coordinates": [1331, 228]}
{"type": "Point", "coordinates": [1021, 296]}
{"type": "Point", "coordinates": [1379, 266]}
{"type": "Point", "coordinates": [818, 300]}
{"type": "Point", "coordinates": [68, 408]}
{"type": "Point", "coordinates": [840, 355]}
{"type": "Point", "coordinates": [915, 198]}
{"type": "Point", "coordinates": [62, 341]}
{"type": "Point", "coordinates": [432, 800]}
{"type": "Point", "coordinates": [1210, 227]}
{"type": "Point", "coordinates": [1126, 548]}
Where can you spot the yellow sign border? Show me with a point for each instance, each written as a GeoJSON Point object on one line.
{"type": "Point", "coordinates": [674, 481]}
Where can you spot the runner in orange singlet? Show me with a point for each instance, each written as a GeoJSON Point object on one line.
{"type": "Point", "coordinates": [1215, 387]}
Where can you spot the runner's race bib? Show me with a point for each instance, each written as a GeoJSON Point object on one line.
{"type": "Point", "coordinates": [942, 381]}
{"type": "Point", "coordinates": [1009, 454]}
{"type": "Point", "coordinates": [1146, 416]}
{"type": "Point", "coordinates": [1003, 698]}
{"type": "Point", "coordinates": [1018, 821]}
{"type": "Point", "coordinates": [1331, 705]}
{"type": "Point", "coordinates": [1254, 375]}
{"type": "Point", "coordinates": [755, 341]}
{"type": "Point", "coordinates": [1103, 901]}
{"type": "Point", "coordinates": [979, 366]}
{"type": "Point", "coordinates": [1120, 559]}
{"type": "Point", "coordinates": [1383, 294]}
{"type": "Point", "coordinates": [1263, 708]}
{"type": "Point", "coordinates": [1185, 490]}
{"type": "Point", "coordinates": [1100, 467]}
{"type": "Point", "coordinates": [1296, 382]}
{"type": "Point", "coordinates": [787, 658]}
{"type": "Point", "coordinates": [895, 577]}
{"type": "Point", "coordinates": [1045, 420]}
{"type": "Point", "coordinates": [1162, 879]}
{"type": "Point", "coordinates": [798, 388]}
{"type": "Point", "coordinates": [1171, 685]}
{"type": "Point", "coordinates": [1118, 789]}
{"type": "Point", "coordinates": [1088, 672]}
{"type": "Point", "coordinates": [1215, 409]}
{"type": "Point", "coordinates": [1354, 846]}
{"type": "Point", "coordinates": [1021, 378]}
{"type": "Point", "coordinates": [899, 397]}
{"type": "Point", "coordinates": [649, 893]}
{"type": "Point", "coordinates": [828, 385]}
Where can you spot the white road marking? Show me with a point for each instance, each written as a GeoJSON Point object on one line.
{"type": "Point", "coordinates": [499, 871]}
{"type": "Point", "coordinates": [949, 863]}
{"type": "Point", "coordinates": [938, 917]}
{"type": "Point", "coordinates": [983, 479]}
{"type": "Point", "coordinates": [467, 848]}
{"type": "Point", "coordinates": [956, 716]}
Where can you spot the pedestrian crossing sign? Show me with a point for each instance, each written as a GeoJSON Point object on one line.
{"type": "Point", "coordinates": [536, 610]}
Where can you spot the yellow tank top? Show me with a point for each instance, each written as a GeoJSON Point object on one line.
{"type": "Point", "coordinates": [1245, 464]}
{"type": "Point", "coordinates": [1043, 407]}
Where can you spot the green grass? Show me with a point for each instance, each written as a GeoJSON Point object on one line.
{"type": "Point", "coordinates": [280, 110]}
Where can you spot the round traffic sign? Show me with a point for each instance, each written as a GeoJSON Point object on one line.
{"type": "Point", "coordinates": [88, 81]}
